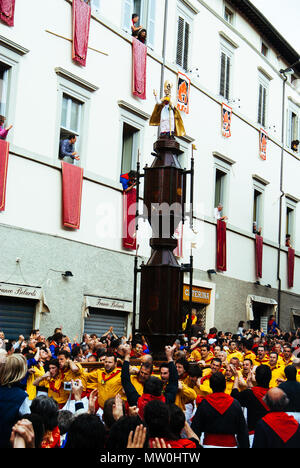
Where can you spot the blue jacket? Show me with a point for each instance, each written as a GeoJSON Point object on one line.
{"type": "Point", "coordinates": [11, 399]}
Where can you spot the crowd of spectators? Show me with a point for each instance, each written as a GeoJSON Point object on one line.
{"type": "Point", "coordinates": [214, 389]}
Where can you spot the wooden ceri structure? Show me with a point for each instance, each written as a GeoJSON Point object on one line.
{"type": "Point", "coordinates": [160, 313]}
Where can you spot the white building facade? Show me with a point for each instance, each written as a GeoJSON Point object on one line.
{"type": "Point", "coordinates": [232, 55]}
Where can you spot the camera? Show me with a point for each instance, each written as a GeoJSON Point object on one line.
{"type": "Point", "coordinates": [68, 386]}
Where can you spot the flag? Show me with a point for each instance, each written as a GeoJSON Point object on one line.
{"type": "Point", "coordinates": [129, 214]}
{"type": "Point", "coordinates": [7, 11]}
{"type": "Point", "coordinates": [139, 68]}
{"type": "Point", "coordinates": [291, 267]}
{"type": "Point", "coordinates": [81, 30]}
{"type": "Point", "coordinates": [183, 92]}
{"type": "Point", "coordinates": [263, 137]}
{"type": "Point", "coordinates": [72, 179]}
{"type": "Point", "coordinates": [258, 255]}
{"type": "Point", "coordinates": [226, 120]}
{"type": "Point", "coordinates": [4, 154]}
{"type": "Point", "coordinates": [221, 245]}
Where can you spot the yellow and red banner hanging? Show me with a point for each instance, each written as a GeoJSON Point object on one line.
{"type": "Point", "coordinates": [183, 92]}
{"type": "Point", "coordinates": [226, 120]}
{"type": "Point", "coordinates": [263, 138]}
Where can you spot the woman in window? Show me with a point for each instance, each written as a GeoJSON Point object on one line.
{"type": "Point", "coordinates": [3, 131]}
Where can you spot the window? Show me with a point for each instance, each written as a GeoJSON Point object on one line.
{"type": "Point", "coordinates": [264, 49]}
{"type": "Point", "coordinates": [289, 220]}
{"type": "Point", "coordinates": [290, 230]}
{"type": "Point", "coordinates": [130, 146]}
{"type": "Point", "coordinates": [146, 10]}
{"type": "Point", "coordinates": [219, 187]}
{"type": "Point", "coordinates": [257, 208]}
{"type": "Point", "coordinates": [228, 15]}
{"type": "Point", "coordinates": [222, 169]}
{"type": "Point", "coordinates": [183, 42]}
{"type": "Point", "coordinates": [226, 69]}
{"type": "Point", "coordinates": [4, 83]}
{"type": "Point", "coordinates": [263, 86]}
{"type": "Point", "coordinates": [70, 118]}
{"type": "Point", "coordinates": [292, 124]}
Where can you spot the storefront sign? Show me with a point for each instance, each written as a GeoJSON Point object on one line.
{"type": "Point", "coordinates": [108, 304]}
{"type": "Point", "coordinates": [25, 292]}
{"type": "Point", "coordinates": [200, 295]}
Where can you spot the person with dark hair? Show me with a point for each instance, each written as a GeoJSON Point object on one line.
{"type": "Point", "coordinates": [67, 149]}
{"type": "Point", "coordinates": [292, 389]}
{"type": "Point", "coordinates": [119, 433]}
{"type": "Point", "coordinates": [108, 380]}
{"type": "Point", "coordinates": [179, 425]}
{"type": "Point", "coordinates": [277, 429]}
{"type": "Point", "coordinates": [56, 342]}
{"type": "Point", "coordinates": [64, 420]}
{"type": "Point", "coordinates": [134, 25]}
{"type": "Point", "coordinates": [157, 419]}
{"type": "Point", "coordinates": [47, 409]}
{"type": "Point", "coordinates": [220, 417]}
{"type": "Point", "coordinates": [252, 398]}
{"type": "Point", "coordinates": [247, 346]}
{"type": "Point", "coordinates": [86, 432]}
{"type": "Point", "coordinates": [142, 35]}
{"type": "Point", "coordinates": [38, 427]}
{"type": "Point", "coordinates": [128, 180]}
{"type": "Point", "coordinates": [295, 145]}
{"type": "Point", "coordinates": [153, 387]}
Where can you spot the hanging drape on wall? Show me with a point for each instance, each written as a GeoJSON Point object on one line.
{"type": "Point", "coordinates": [226, 120]}
{"type": "Point", "coordinates": [4, 155]}
{"type": "Point", "coordinates": [81, 29]}
{"type": "Point", "coordinates": [258, 255]}
{"type": "Point", "coordinates": [72, 179]}
{"type": "Point", "coordinates": [291, 267]}
{"type": "Point", "coordinates": [139, 68]}
{"type": "Point", "coordinates": [221, 245]}
{"type": "Point", "coordinates": [7, 11]}
{"type": "Point", "coordinates": [129, 212]}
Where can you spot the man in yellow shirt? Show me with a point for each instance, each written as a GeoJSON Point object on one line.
{"type": "Point", "coordinates": [52, 381]}
{"type": "Point", "coordinates": [108, 380]}
{"type": "Point", "coordinates": [203, 383]}
{"type": "Point", "coordinates": [287, 355]}
{"type": "Point", "coordinates": [277, 370]}
{"type": "Point", "coordinates": [203, 356]}
{"type": "Point", "coordinates": [262, 356]}
{"type": "Point", "coordinates": [233, 352]}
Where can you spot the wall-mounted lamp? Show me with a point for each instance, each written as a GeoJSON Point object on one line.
{"type": "Point", "coordinates": [67, 274]}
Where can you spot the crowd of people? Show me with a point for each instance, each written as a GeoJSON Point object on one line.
{"type": "Point", "coordinates": [214, 389]}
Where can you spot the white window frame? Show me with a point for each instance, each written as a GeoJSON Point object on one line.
{"type": "Point", "coordinates": [147, 18]}
{"type": "Point", "coordinates": [258, 187]}
{"type": "Point", "coordinates": [292, 109]}
{"type": "Point", "coordinates": [188, 17]}
{"type": "Point", "coordinates": [263, 82]}
{"type": "Point", "coordinates": [292, 206]}
{"type": "Point", "coordinates": [81, 91]}
{"type": "Point", "coordinates": [227, 49]}
{"type": "Point", "coordinates": [225, 168]}
{"type": "Point", "coordinates": [232, 14]}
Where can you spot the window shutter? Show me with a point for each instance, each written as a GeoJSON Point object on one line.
{"type": "Point", "coordinates": [151, 23]}
{"type": "Point", "coordinates": [227, 81]}
{"type": "Point", "coordinates": [259, 104]}
{"type": "Point", "coordinates": [264, 95]}
{"type": "Point", "coordinates": [127, 14]}
{"type": "Point", "coordinates": [180, 43]}
{"type": "Point", "coordinates": [186, 45]}
{"type": "Point", "coordinates": [222, 74]}
{"type": "Point", "coordinates": [289, 127]}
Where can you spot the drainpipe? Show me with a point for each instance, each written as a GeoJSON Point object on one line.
{"type": "Point", "coordinates": [284, 77]}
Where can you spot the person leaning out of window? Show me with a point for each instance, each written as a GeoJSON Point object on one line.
{"type": "Point", "coordinates": [67, 149]}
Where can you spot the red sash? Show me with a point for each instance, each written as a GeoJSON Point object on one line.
{"type": "Point", "coordinates": [110, 376]}
{"type": "Point", "coordinates": [259, 393]}
{"type": "Point", "coordinates": [284, 425]}
{"type": "Point", "coordinates": [220, 440]}
{"type": "Point", "coordinates": [146, 398]}
{"type": "Point", "coordinates": [219, 401]}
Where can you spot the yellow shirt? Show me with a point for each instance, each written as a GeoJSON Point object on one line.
{"type": "Point", "coordinates": [277, 373]}
{"type": "Point", "coordinates": [108, 384]}
{"type": "Point", "coordinates": [264, 360]}
{"type": "Point", "coordinates": [184, 396]}
{"type": "Point", "coordinates": [30, 388]}
{"type": "Point", "coordinates": [250, 355]}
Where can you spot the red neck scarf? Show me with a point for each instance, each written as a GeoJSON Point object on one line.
{"type": "Point", "coordinates": [105, 378]}
{"type": "Point", "coordinates": [146, 398]}
{"type": "Point", "coordinates": [260, 392]}
{"type": "Point", "coordinates": [284, 425]}
{"type": "Point", "coordinates": [219, 401]}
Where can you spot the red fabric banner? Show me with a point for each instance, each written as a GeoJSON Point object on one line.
{"type": "Point", "coordinates": [7, 11]}
{"type": "Point", "coordinates": [259, 242]}
{"type": "Point", "coordinates": [81, 30]}
{"type": "Point", "coordinates": [4, 154]}
{"type": "Point", "coordinates": [221, 245]}
{"type": "Point", "coordinates": [72, 179]}
{"type": "Point", "coordinates": [139, 68]}
{"type": "Point", "coordinates": [291, 267]}
{"type": "Point", "coordinates": [129, 212]}
{"type": "Point", "coordinates": [226, 120]}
